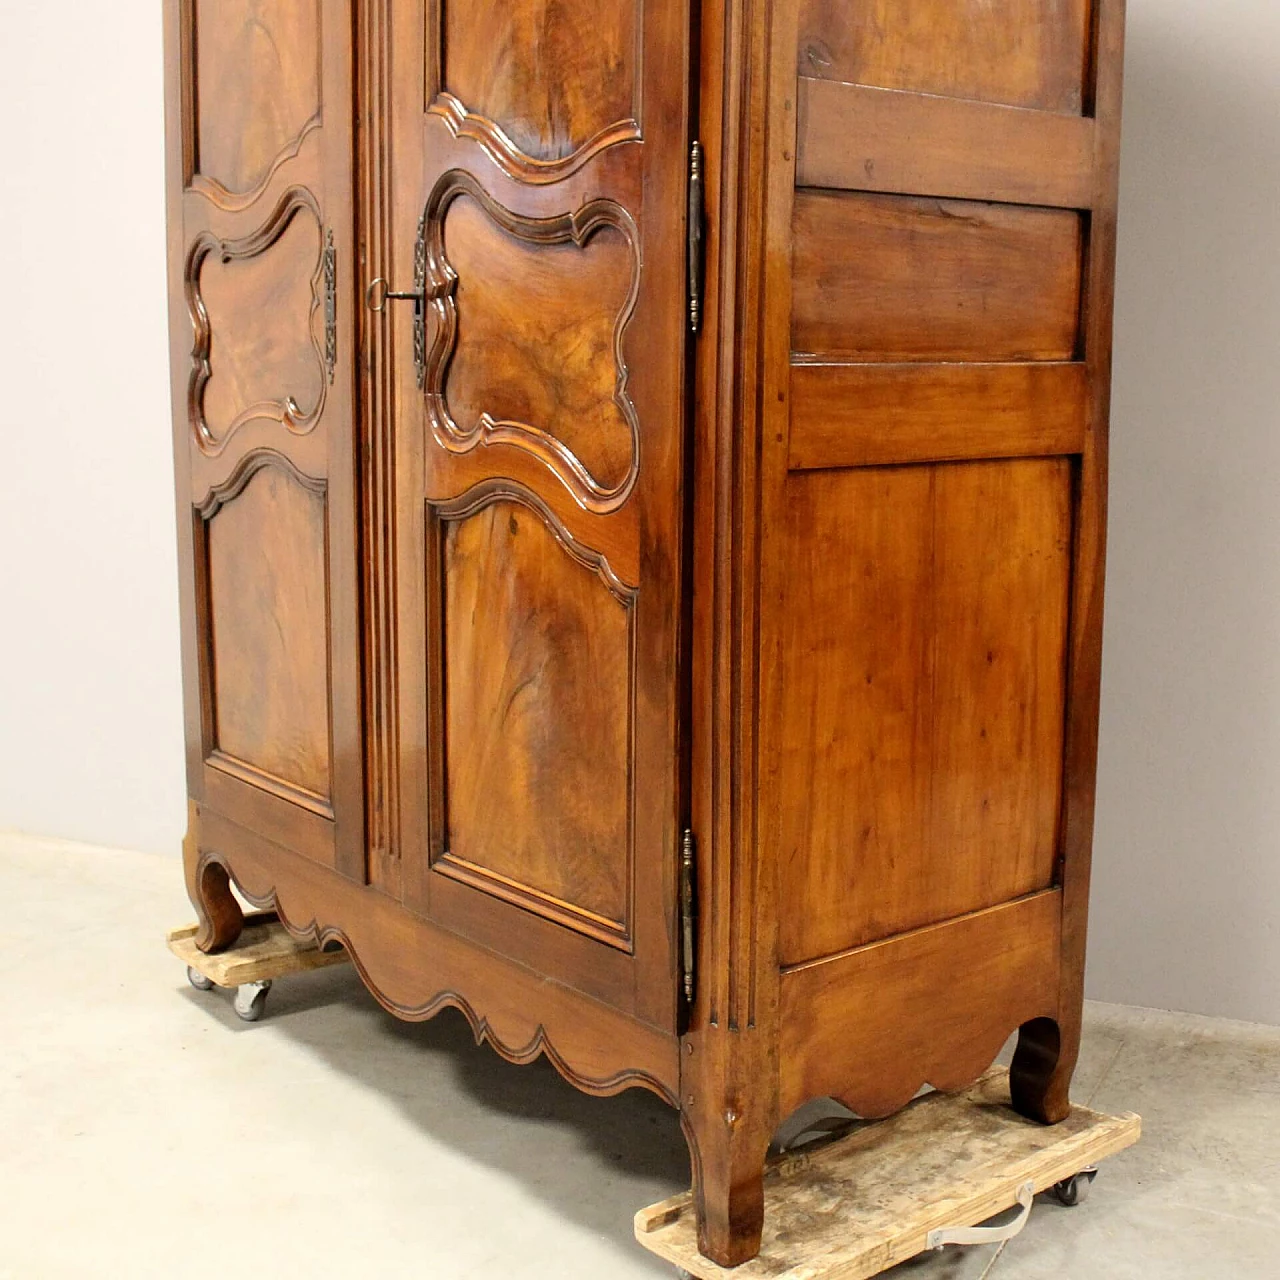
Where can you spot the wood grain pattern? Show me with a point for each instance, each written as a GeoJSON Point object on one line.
{"type": "Point", "coordinates": [552, 75]}
{"type": "Point", "coordinates": [858, 1206]}
{"type": "Point", "coordinates": [538, 668]}
{"type": "Point", "coordinates": [263, 346]}
{"type": "Point", "coordinates": [528, 349]}
{"type": "Point", "coordinates": [257, 88]}
{"type": "Point", "coordinates": [920, 746]}
{"type": "Point", "coordinates": [1028, 53]}
{"type": "Point", "coordinates": [580, 275]}
{"type": "Point", "coordinates": [254, 304]}
{"type": "Point", "coordinates": [858, 415]}
{"type": "Point", "coordinates": [857, 138]}
{"type": "Point", "coordinates": [269, 630]}
{"type": "Point", "coordinates": [933, 1006]}
{"type": "Point", "coordinates": [902, 278]}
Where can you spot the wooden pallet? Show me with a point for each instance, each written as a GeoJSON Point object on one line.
{"type": "Point", "coordinates": [853, 1207]}
{"type": "Point", "coordinates": [265, 950]}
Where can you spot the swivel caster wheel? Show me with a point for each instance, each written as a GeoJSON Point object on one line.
{"type": "Point", "coordinates": [1075, 1190]}
{"type": "Point", "coordinates": [251, 1000]}
{"type": "Point", "coordinates": [198, 980]}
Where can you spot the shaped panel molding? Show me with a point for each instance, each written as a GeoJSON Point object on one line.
{"type": "Point", "coordinates": [538, 713]}
{"type": "Point", "coordinates": [541, 85]}
{"type": "Point", "coordinates": [529, 317]}
{"type": "Point", "coordinates": [258, 349]}
{"type": "Point", "coordinates": [254, 77]}
{"type": "Point", "coordinates": [265, 631]}
{"type": "Point", "coordinates": [415, 969]}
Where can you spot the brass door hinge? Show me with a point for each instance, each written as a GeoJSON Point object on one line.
{"type": "Point", "coordinates": [697, 216]}
{"type": "Point", "coordinates": [688, 913]}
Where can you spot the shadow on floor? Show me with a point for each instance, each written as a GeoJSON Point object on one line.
{"type": "Point", "coordinates": [512, 1118]}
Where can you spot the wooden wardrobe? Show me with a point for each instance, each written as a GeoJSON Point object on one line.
{"type": "Point", "coordinates": [641, 480]}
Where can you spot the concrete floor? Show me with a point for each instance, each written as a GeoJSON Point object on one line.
{"type": "Point", "coordinates": [147, 1132]}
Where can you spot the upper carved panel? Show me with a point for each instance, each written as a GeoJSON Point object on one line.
{"type": "Point", "coordinates": [255, 315]}
{"type": "Point", "coordinates": [541, 84]}
{"type": "Point", "coordinates": [527, 342]}
{"type": "Point", "coordinates": [256, 91]}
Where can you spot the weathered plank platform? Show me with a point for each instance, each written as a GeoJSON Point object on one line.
{"type": "Point", "coordinates": [266, 950]}
{"type": "Point", "coordinates": [853, 1207]}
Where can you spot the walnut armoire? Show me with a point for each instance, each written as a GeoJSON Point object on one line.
{"type": "Point", "coordinates": [641, 490]}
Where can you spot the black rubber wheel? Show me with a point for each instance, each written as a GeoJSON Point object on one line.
{"type": "Point", "coordinates": [1075, 1190]}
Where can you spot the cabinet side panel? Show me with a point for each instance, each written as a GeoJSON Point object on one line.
{"type": "Point", "coordinates": [1027, 53]}
{"type": "Point", "coordinates": [884, 277]}
{"type": "Point", "coordinates": [928, 1007]}
{"type": "Point", "coordinates": [924, 630]}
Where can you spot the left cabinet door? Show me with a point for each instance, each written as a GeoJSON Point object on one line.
{"type": "Point", "coordinates": [261, 247]}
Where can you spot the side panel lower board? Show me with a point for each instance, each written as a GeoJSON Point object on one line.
{"type": "Point", "coordinates": [929, 1007]}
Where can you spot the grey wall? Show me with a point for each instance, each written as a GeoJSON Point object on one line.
{"type": "Point", "coordinates": [1188, 847]}
{"type": "Point", "coordinates": [90, 715]}
{"type": "Point", "coordinates": [1187, 854]}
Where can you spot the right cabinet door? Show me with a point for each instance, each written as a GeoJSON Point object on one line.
{"type": "Point", "coordinates": [537, 202]}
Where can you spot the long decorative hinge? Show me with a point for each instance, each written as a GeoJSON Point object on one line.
{"type": "Point", "coordinates": [420, 307]}
{"type": "Point", "coordinates": [688, 913]}
{"type": "Point", "coordinates": [330, 305]}
{"type": "Point", "coordinates": [697, 215]}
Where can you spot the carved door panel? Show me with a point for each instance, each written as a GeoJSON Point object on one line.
{"type": "Point", "coordinates": [538, 198]}
{"type": "Point", "coordinates": [261, 216]}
